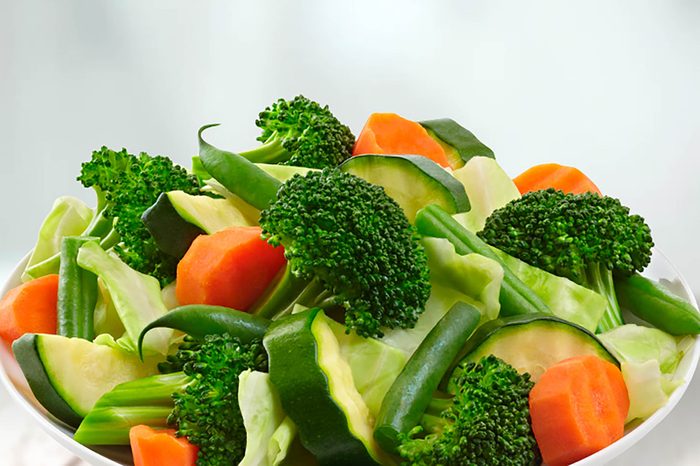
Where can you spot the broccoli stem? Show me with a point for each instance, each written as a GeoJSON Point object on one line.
{"type": "Point", "coordinates": [433, 424]}
{"type": "Point", "coordinates": [599, 279]}
{"type": "Point", "coordinates": [144, 401]}
{"type": "Point", "coordinates": [272, 151]}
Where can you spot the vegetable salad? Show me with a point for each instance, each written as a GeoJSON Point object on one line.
{"type": "Point", "coordinates": [390, 299]}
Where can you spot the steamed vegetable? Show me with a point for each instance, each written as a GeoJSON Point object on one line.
{"type": "Point", "coordinates": [303, 133]}
{"type": "Point", "coordinates": [77, 292]}
{"type": "Point", "coordinates": [584, 237]}
{"type": "Point", "coordinates": [231, 268]}
{"type": "Point", "coordinates": [29, 308]}
{"type": "Point", "coordinates": [578, 407]}
{"type": "Point", "coordinates": [160, 447]}
{"type": "Point", "coordinates": [552, 175]}
{"type": "Point", "coordinates": [68, 217]}
{"type": "Point", "coordinates": [460, 144]}
{"type": "Point", "coordinates": [126, 185]}
{"type": "Point", "coordinates": [388, 133]}
{"type": "Point", "coordinates": [485, 421]}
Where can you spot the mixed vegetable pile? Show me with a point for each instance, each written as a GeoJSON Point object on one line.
{"type": "Point", "coordinates": [392, 300]}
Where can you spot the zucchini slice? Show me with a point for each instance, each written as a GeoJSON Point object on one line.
{"type": "Point", "coordinates": [531, 343]}
{"type": "Point", "coordinates": [459, 143]}
{"type": "Point", "coordinates": [317, 391]}
{"type": "Point", "coordinates": [69, 375]}
{"type": "Point", "coordinates": [411, 180]}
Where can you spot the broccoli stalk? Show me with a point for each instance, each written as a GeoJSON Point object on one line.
{"type": "Point", "coordinates": [126, 185]}
{"type": "Point", "coordinates": [301, 132]}
{"type": "Point", "coordinates": [347, 244]}
{"type": "Point", "coordinates": [201, 401]}
{"type": "Point", "coordinates": [584, 237]}
{"type": "Point", "coordinates": [486, 421]}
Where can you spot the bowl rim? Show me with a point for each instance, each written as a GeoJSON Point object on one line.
{"type": "Point", "coordinates": [61, 433]}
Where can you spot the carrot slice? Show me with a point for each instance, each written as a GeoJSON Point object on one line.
{"type": "Point", "coordinates": [29, 308]}
{"type": "Point", "coordinates": [578, 407]}
{"type": "Point", "coordinates": [390, 134]}
{"type": "Point", "coordinates": [553, 175]}
{"type": "Point", "coordinates": [160, 447]}
{"type": "Point", "coordinates": [231, 268]}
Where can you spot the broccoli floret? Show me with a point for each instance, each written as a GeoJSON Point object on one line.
{"type": "Point", "coordinates": [354, 247]}
{"type": "Point", "coordinates": [200, 401]}
{"type": "Point", "coordinates": [584, 237]}
{"type": "Point", "coordinates": [207, 411]}
{"type": "Point", "coordinates": [486, 422]}
{"type": "Point", "coordinates": [301, 132]}
{"type": "Point", "coordinates": [127, 185]}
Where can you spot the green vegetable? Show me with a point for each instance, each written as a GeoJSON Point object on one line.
{"type": "Point", "coordinates": [201, 402]}
{"type": "Point", "coordinates": [649, 358]}
{"type": "Point", "coordinates": [301, 132]}
{"type": "Point", "coordinates": [354, 246]}
{"type": "Point", "coordinates": [429, 182]}
{"type": "Point", "coordinates": [126, 185]}
{"type": "Point", "coordinates": [77, 292]}
{"type": "Point", "coordinates": [459, 143]}
{"type": "Point", "coordinates": [489, 188]}
{"type": "Point", "coordinates": [584, 237]}
{"type": "Point", "coordinates": [68, 217]}
{"type": "Point", "coordinates": [411, 392]}
{"type": "Point", "coordinates": [515, 297]}
{"type": "Point", "coordinates": [68, 375]}
{"type": "Point", "coordinates": [172, 234]}
{"type": "Point", "coordinates": [472, 279]}
{"type": "Point", "coordinates": [317, 392]}
{"type": "Point", "coordinates": [654, 303]}
{"type": "Point", "coordinates": [530, 343]}
{"type": "Point", "coordinates": [199, 320]}
{"type": "Point", "coordinates": [136, 296]}
{"type": "Point", "coordinates": [485, 422]}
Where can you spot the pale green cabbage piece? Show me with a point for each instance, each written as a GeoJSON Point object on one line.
{"type": "Point", "coordinates": [648, 359]}
{"type": "Point", "coordinates": [565, 299]}
{"type": "Point", "coordinates": [69, 216]}
{"type": "Point", "coordinates": [472, 278]}
{"type": "Point", "coordinates": [488, 188]}
{"type": "Point", "coordinates": [135, 296]}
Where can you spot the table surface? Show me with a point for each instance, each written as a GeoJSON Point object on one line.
{"type": "Point", "coordinates": [673, 442]}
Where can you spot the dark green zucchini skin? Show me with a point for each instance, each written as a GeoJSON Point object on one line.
{"type": "Point", "coordinates": [526, 322]}
{"type": "Point", "coordinates": [27, 356]}
{"type": "Point", "coordinates": [305, 394]}
{"type": "Point", "coordinates": [171, 232]}
{"type": "Point", "coordinates": [461, 139]}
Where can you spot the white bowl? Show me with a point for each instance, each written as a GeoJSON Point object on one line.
{"type": "Point", "coordinates": [13, 380]}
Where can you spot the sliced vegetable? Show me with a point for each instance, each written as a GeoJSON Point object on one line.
{"type": "Point", "coordinates": [29, 308]}
{"type": "Point", "coordinates": [69, 216]}
{"type": "Point", "coordinates": [68, 375]}
{"type": "Point", "coordinates": [231, 268]}
{"type": "Point", "coordinates": [160, 447]}
{"type": "Point", "coordinates": [172, 233]}
{"type": "Point", "coordinates": [136, 297]}
{"type": "Point", "coordinates": [459, 143]}
{"type": "Point", "coordinates": [388, 133]}
{"type": "Point", "coordinates": [654, 303]}
{"type": "Point", "coordinates": [578, 407]}
{"type": "Point", "coordinates": [199, 320]}
{"type": "Point", "coordinates": [530, 343]}
{"type": "Point", "coordinates": [410, 394]}
{"type": "Point", "coordinates": [553, 175]}
{"type": "Point", "coordinates": [317, 392]}
{"type": "Point", "coordinates": [412, 181]}
{"type": "Point", "coordinates": [516, 298]}
{"type": "Point", "coordinates": [77, 292]}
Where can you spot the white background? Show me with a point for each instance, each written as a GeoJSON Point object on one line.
{"type": "Point", "coordinates": [610, 87]}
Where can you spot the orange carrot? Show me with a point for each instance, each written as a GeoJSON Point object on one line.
{"type": "Point", "coordinates": [29, 308]}
{"type": "Point", "coordinates": [388, 133]}
{"type": "Point", "coordinates": [578, 407]}
{"type": "Point", "coordinates": [232, 268]}
{"type": "Point", "coordinates": [160, 447]}
{"type": "Point", "coordinates": [552, 175]}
